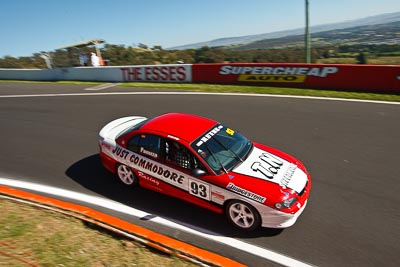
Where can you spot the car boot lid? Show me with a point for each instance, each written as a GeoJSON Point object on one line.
{"type": "Point", "coordinates": [112, 130]}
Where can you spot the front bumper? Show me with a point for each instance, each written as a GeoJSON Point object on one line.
{"type": "Point", "coordinates": [278, 219]}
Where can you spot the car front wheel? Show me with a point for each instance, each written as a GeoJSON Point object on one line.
{"type": "Point", "coordinates": [242, 215]}
{"type": "Point", "coordinates": [126, 175]}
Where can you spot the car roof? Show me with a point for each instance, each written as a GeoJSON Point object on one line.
{"type": "Point", "coordinates": [184, 126]}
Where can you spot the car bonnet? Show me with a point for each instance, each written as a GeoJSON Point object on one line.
{"type": "Point", "coordinates": [269, 167]}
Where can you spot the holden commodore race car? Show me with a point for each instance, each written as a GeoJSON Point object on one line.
{"type": "Point", "coordinates": [203, 162]}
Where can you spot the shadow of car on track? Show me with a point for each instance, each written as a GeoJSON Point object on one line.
{"type": "Point", "coordinates": [89, 173]}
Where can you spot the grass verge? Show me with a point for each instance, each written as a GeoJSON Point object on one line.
{"type": "Point", "coordinates": [31, 236]}
{"type": "Point", "coordinates": [266, 90]}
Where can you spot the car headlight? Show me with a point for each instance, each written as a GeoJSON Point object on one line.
{"type": "Point", "coordinates": [286, 203]}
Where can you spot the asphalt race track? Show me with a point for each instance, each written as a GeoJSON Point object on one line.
{"type": "Point", "coordinates": [351, 149]}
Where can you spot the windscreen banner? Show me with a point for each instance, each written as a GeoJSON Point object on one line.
{"type": "Point", "coordinates": [319, 76]}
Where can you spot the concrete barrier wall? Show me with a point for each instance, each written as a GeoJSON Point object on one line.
{"type": "Point", "coordinates": [366, 78]}
{"type": "Point", "coordinates": [25, 74]}
{"type": "Point", "coordinates": [146, 73]}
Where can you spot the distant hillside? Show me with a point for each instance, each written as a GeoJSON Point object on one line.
{"type": "Point", "coordinates": [242, 40]}
{"type": "Point", "coordinates": [388, 33]}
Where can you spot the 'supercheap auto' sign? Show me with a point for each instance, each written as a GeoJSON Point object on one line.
{"type": "Point", "coordinates": [275, 74]}
{"type": "Point", "coordinates": [301, 75]}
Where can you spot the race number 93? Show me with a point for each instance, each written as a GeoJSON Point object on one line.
{"type": "Point", "coordinates": [198, 189]}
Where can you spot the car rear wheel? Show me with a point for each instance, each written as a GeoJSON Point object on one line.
{"type": "Point", "coordinates": [242, 215]}
{"type": "Point", "coordinates": [126, 175]}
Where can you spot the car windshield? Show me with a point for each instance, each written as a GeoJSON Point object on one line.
{"type": "Point", "coordinates": [222, 148]}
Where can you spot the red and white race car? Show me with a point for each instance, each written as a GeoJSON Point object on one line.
{"type": "Point", "coordinates": [208, 164]}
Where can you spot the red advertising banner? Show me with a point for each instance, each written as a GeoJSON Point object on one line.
{"type": "Point", "coordinates": [373, 78]}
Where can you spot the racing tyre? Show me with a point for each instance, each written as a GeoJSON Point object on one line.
{"type": "Point", "coordinates": [242, 215]}
{"type": "Point", "coordinates": [126, 175]}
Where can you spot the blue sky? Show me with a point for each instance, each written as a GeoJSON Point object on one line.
{"type": "Point", "coordinates": [30, 26]}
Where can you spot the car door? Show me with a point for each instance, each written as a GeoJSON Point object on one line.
{"type": "Point", "coordinates": [179, 157]}
{"type": "Point", "coordinates": [147, 159]}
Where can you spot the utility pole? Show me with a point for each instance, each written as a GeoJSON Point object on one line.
{"type": "Point", "coordinates": [307, 37]}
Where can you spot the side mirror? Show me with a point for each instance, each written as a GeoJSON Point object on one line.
{"type": "Point", "coordinates": [198, 172]}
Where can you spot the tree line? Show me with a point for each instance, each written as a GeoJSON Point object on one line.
{"type": "Point", "coordinates": [117, 55]}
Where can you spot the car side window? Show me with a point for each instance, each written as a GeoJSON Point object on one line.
{"type": "Point", "coordinates": [177, 154]}
{"type": "Point", "coordinates": [146, 144]}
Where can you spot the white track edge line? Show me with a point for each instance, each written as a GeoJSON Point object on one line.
{"type": "Point", "coordinates": [101, 87]}
{"type": "Point", "coordinates": [205, 93]}
{"type": "Point", "coordinates": [116, 206]}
